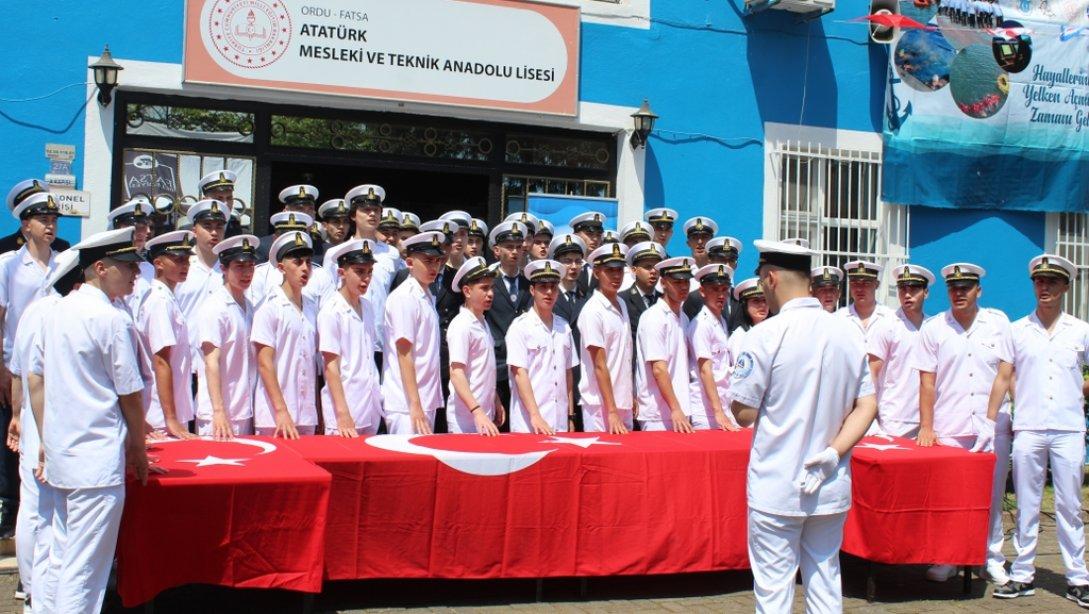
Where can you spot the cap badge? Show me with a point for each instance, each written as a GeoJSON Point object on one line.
{"type": "Point", "coordinates": [956, 270]}
{"type": "Point", "coordinates": [366, 247]}
{"type": "Point", "coordinates": [616, 249]}
{"type": "Point", "coordinates": [548, 267]}
{"type": "Point", "coordinates": [214, 208]}
{"type": "Point", "coordinates": [50, 204]}
{"type": "Point", "coordinates": [245, 243]}
{"type": "Point", "coordinates": [827, 274]}
{"type": "Point", "coordinates": [302, 191]}
{"type": "Point", "coordinates": [299, 239]}
{"type": "Point", "coordinates": [597, 217]}
{"type": "Point", "coordinates": [434, 241]}
{"type": "Point", "coordinates": [223, 176]}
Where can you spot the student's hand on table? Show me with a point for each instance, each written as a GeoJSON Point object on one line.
{"type": "Point", "coordinates": [680, 422]}
{"type": "Point", "coordinates": [616, 424]}
{"type": "Point", "coordinates": [724, 422]}
{"type": "Point", "coordinates": [176, 430]}
{"type": "Point", "coordinates": [285, 426]}
{"type": "Point", "coordinates": [926, 437]}
{"type": "Point", "coordinates": [346, 428]}
{"type": "Point", "coordinates": [540, 427]}
{"type": "Point", "coordinates": [136, 457]}
{"type": "Point", "coordinates": [484, 426]}
{"type": "Point", "coordinates": [221, 427]}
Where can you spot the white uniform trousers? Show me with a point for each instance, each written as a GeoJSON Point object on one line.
{"type": "Point", "coordinates": [46, 554]}
{"type": "Point", "coordinates": [593, 419]}
{"type": "Point", "coordinates": [1032, 451]}
{"type": "Point", "coordinates": [1003, 436]}
{"type": "Point", "coordinates": [238, 427]}
{"type": "Point", "coordinates": [401, 424]}
{"type": "Point", "coordinates": [778, 545]}
{"type": "Point", "coordinates": [85, 526]}
{"type": "Point", "coordinates": [30, 523]}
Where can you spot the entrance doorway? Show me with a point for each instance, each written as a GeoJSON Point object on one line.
{"type": "Point", "coordinates": [426, 193]}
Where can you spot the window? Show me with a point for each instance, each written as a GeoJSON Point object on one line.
{"type": "Point", "coordinates": [517, 187]}
{"type": "Point", "coordinates": [1068, 236]}
{"type": "Point", "coordinates": [825, 186]}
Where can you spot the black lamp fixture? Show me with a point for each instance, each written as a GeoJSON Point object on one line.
{"type": "Point", "coordinates": [644, 123]}
{"type": "Point", "coordinates": [105, 76]}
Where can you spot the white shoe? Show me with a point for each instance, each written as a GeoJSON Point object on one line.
{"type": "Point", "coordinates": [996, 573]}
{"type": "Point", "coordinates": [941, 573]}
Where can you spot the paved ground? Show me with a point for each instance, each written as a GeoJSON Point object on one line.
{"type": "Point", "coordinates": [899, 589]}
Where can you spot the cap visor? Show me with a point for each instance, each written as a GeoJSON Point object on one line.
{"type": "Point", "coordinates": [612, 264]}
{"type": "Point", "coordinates": [427, 251]}
{"type": "Point", "coordinates": [127, 257]}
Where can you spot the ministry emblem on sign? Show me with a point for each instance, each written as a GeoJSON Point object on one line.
{"type": "Point", "coordinates": [249, 33]}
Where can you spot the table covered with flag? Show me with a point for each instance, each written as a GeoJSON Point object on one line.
{"type": "Point", "coordinates": [247, 513]}
{"type": "Point", "coordinates": [918, 505]}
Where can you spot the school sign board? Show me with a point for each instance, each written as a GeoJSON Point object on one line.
{"type": "Point", "coordinates": [988, 106]}
{"type": "Point", "coordinates": [499, 54]}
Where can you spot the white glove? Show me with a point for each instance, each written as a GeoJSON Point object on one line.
{"type": "Point", "coordinates": [819, 468]}
{"type": "Point", "coordinates": [985, 438]}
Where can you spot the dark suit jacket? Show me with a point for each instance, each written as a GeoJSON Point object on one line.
{"type": "Point", "coordinates": [634, 299]}
{"type": "Point", "coordinates": [731, 312]}
{"type": "Point", "coordinates": [501, 315]}
{"type": "Point", "coordinates": [586, 282]}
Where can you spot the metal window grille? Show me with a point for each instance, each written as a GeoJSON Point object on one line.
{"type": "Point", "coordinates": [1072, 243]}
{"type": "Point", "coordinates": [832, 198]}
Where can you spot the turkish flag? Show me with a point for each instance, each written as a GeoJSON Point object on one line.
{"type": "Point", "coordinates": [249, 513]}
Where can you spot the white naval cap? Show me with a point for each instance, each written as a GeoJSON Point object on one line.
{"type": "Point", "coordinates": [748, 289]}
{"type": "Point", "coordinates": [23, 189]}
{"type": "Point", "coordinates": [644, 249]}
{"type": "Point", "coordinates": [410, 221]}
{"type": "Point", "coordinates": [588, 219]}
{"type": "Point", "coordinates": [826, 275]}
{"type": "Point", "coordinates": [299, 193]}
{"type": "Point", "coordinates": [962, 271]}
{"type": "Point", "coordinates": [509, 230]}
{"type": "Point", "coordinates": [796, 241]}
{"type": "Point", "coordinates": [610, 255]}
{"type": "Point", "coordinates": [462, 218]}
{"type": "Point", "coordinates": [528, 219]}
{"type": "Point", "coordinates": [680, 267]}
{"type": "Point", "coordinates": [174, 243]}
{"type": "Point", "coordinates": [217, 179]}
{"type": "Point", "coordinates": [1052, 265]}
{"type": "Point", "coordinates": [566, 244]}
{"type": "Point", "coordinates": [727, 246]}
{"type": "Point", "coordinates": [787, 255]}
{"type": "Point", "coordinates": [355, 251]}
{"type": "Point", "coordinates": [427, 242]}
{"type": "Point", "coordinates": [115, 244]}
{"type": "Point", "coordinates": [545, 227]}
{"type": "Point", "coordinates": [238, 247]}
{"type": "Point", "coordinates": [65, 273]}
{"type": "Point", "coordinates": [208, 208]}
{"type": "Point", "coordinates": [715, 273]}
{"type": "Point", "coordinates": [863, 269]}
{"type": "Point", "coordinates": [297, 242]}
{"type": "Point", "coordinates": [390, 218]}
{"type": "Point", "coordinates": [912, 274]}
{"type": "Point", "coordinates": [610, 236]}
{"type": "Point", "coordinates": [291, 220]}
{"type": "Point", "coordinates": [366, 194]}
{"type": "Point", "coordinates": [474, 269]}
{"type": "Point", "coordinates": [334, 207]}
{"type": "Point", "coordinates": [543, 271]}
{"type": "Point", "coordinates": [635, 229]}
{"type": "Point", "coordinates": [660, 214]}
{"type": "Point", "coordinates": [447, 227]}
{"type": "Point", "coordinates": [478, 228]}
{"type": "Point", "coordinates": [36, 204]}
{"type": "Point", "coordinates": [137, 208]}
{"type": "Point", "coordinates": [700, 224]}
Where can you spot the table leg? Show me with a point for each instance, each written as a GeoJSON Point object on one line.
{"type": "Point", "coordinates": [967, 579]}
{"type": "Point", "coordinates": [871, 581]}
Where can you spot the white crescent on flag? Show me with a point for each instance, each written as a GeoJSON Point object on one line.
{"type": "Point", "coordinates": [475, 463]}
{"type": "Point", "coordinates": [266, 447]}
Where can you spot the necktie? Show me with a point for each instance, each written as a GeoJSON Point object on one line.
{"type": "Point", "coordinates": [512, 284]}
{"type": "Point", "coordinates": [651, 298]}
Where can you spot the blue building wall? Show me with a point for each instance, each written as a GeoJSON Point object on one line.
{"type": "Point", "coordinates": [712, 75]}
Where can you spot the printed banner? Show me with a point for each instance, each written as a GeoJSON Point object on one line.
{"type": "Point", "coordinates": [559, 209]}
{"type": "Point", "coordinates": [988, 106]}
{"type": "Point", "coordinates": [503, 54]}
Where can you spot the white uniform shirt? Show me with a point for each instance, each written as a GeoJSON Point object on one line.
{"type": "Point", "coordinates": [90, 361]}
{"type": "Point", "coordinates": [293, 335]}
{"type": "Point", "coordinates": [892, 340]}
{"type": "Point", "coordinates": [20, 280]}
{"type": "Point", "coordinates": [470, 343]}
{"type": "Point", "coordinates": [410, 315]}
{"type": "Point", "coordinates": [546, 354]}
{"type": "Point", "coordinates": [879, 315]}
{"type": "Point", "coordinates": [708, 339]}
{"type": "Point", "coordinates": [267, 280]}
{"type": "Point", "coordinates": [661, 336]}
{"type": "Point", "coordinates": [1048, 372]}
{"type": "Point", "coordinates": [965, 364]}
{"type": "Point", "coordinates": [604, 325]}
{"type": "Point", "coordinates": [140, 288]}
{"type": "Point", "coordinates": [27, 357]}
{"type": "Point", "coordinates": [226, 325]}
{"type": "Point", "coordinates": [350, 335]}
{"type": "Point", "coordinates": [191, 294]}
{"type": "Point", "coordinates": [160, 325]}
{"type": "Point", "coordinates": [803, 370]}
{"type": "Point", "coordinates": [386, 263]}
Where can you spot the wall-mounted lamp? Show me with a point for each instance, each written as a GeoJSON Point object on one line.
{"type": "Point", "coordinates": [106, 76]}
{"type": "Point", "coordinates": [644, 123]}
